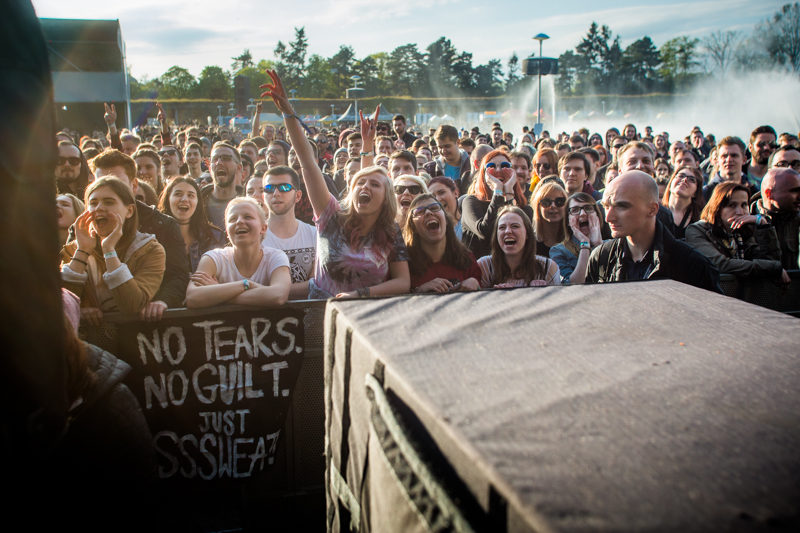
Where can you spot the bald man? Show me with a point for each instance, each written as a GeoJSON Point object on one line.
{"type": "Point", "coordinates": [780, 204]}
{"type": "Point", "coordinates": [642, 248]}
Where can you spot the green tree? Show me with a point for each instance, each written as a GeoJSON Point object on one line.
{"type": "Point", "coordinates": [291, 60]}
{"type": "Point", "coordinates": [177, 82]}
{"type": "Point", "coordinates": [513, 76]}
{"type": "Point", "coordinates": [569, 67]}
{"type": "Point", "coordinates": [489, 78]}
{"type": "Point", "coordinates": [639, 68]}
{"type": "Point", "coordinates": [258, 76]}
{"type": "Point", "coordinates": [780, 37]}
{"type": "Point", "coordinates": [679, 62]}
{"type": "Point", "coordinates": [341, 63]}
{"type": "Point", "coordinates": [405, 72]}
{"type": "Point", "coordinates": [319, 81]}
{"type": "Point", "coordinates": [214, 84]}
{"type": "Point", "coordinates": [243, 61]}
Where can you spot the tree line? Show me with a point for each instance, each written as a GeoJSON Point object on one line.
{"type": "Point", "coordinates": [597, 65]}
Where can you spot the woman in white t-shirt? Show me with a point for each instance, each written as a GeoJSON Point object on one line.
{"type": "Point", "coordinates": [247, 272]}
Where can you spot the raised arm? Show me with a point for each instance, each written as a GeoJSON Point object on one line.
{"type": "Point", "coordinates": [318, 193]}
{"type": "Point", "coordinates": [256, 121]}
{"type": "Point", "coordinates": [368, 131]}
{"type": "Point", "coordinates": [111, 119]}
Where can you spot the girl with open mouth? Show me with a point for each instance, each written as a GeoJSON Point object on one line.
{"type": "Point", "coordinates": [494, 188]}
{"type": "Point", "coordinates": [513, 262]}
{"type": "Point", "coordinates": [111, 266]}
{"type": "Point", "coordinates": [180, 201]}
{"type": "Point", "coordinates": [406, 188]}
{"type": "Point", "coordinates": [360, 249]}
{"type": "Point", "coordinates": [583, 234]}
{"type": "Point", "coordinates": [246, 272]}
{"type": "Point", "coordinates": [439, 262]}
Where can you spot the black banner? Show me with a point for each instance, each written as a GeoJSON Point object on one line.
{"type": "Point", "coordinates": [215, 389]}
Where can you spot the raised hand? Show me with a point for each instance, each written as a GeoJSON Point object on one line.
{"type": "Point", "coordinates": [110, 242]}
{"type": "Point", "coordinates": [259, 107]}
{"type": "Point", "coordinates": [83, 232]}
{"type": "Point", "coordinates": [276, 91]}
{"type": "Point", "coordinates": [111, 114]}
{"type": "Point", "coordinates": [162, 115]}
{"type": "Point", "coordinates": [508, 187]}
{"type": "Point", "coordinates": [576, 231]}
{"type": "Point", "coordinates": [369, 129]}
{"type": "Point", "coordinates": [595, 238]}
{"type": "Point", "coordinates": [399, 144]}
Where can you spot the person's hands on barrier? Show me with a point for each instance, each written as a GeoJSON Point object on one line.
{"type": "Point", "coordinates": [506, 285]}
{"type": "Point", "coordinates": [469, 284]}
{"type": "Point", "coordinates": [152, 311]}
{"type": "Point", "coordinates": [436, 285]}
{"type": "Point", "coordinates": [91, 315]}
{"type": "Point", "coordinates": [203, 279]}
{"type": "Point", "coordinates": [352, 294]}
{"type": "Point", "coordinates": [537, 283]}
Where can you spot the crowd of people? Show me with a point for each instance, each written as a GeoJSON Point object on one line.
{"type": "Point", "coordinates": [195, 216]}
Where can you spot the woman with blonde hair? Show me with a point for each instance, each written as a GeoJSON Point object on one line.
{"type": "Point", "coordinates": [360, 249]}
{"type": "Point", "coordinates": [549, 206]}
{"type": "Point", "coordinates": [68, 207]}
{"type": "Point", "coordinates": [543, 164]}
{"type": "Point", "coordinates": [406, 188]}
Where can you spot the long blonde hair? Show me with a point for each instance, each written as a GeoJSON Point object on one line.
{"type": "Point", "coordinates": [385, 229]}
{"type": "Point", "coordinates": [542, 190]}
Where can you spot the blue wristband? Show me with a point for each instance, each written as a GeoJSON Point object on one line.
{"type": "Point", "coordinates": [246, 283]}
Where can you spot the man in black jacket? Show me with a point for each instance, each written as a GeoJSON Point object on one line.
{"type": "Point", "coordinates": [176, 274]}
{"type": "Point", "coordinates": [642, 247]}
{"type": "Point", "coordinates": [780, 203]}
{"type": "Point", "coordinates": [399, 124]}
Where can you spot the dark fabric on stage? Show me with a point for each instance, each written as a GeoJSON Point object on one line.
{"type": "Point", "coordinates": [617, 407]}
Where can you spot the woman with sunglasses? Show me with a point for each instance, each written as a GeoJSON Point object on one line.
{"type": "Point", "coordinates": [360, 249]}
{"type": "Point", "coordinates": [438, 261]}
{"type": "Point", "coordinates": [735, 241]}
{"type": "Point", "coordinates": [406, 188]}
{"type": "Point", "coordinates": [543, 164]}
{"type": "Point", "coordinates": [181, 200]}
{"type": "Point", "coordinates": [495, 187]}
{"type": "Point", "coordinates": [513, 262]}
{"type": "Point", "coordinates": [446, 192]}
{"type": "Point", "coordinates": [684, 198]}
{"type": "Point", "coordinates": [549, 207]}
{"type": "Point", "coordinates": [583, 234]}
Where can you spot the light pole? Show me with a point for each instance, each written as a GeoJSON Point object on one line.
{"type": "Point", "coordinates": [604, 108]}
{"type": "Point", "coordinates": [541, 37]}
{"type": "Point", "coordinates": [332, 111]}
{"type": "Point", "coordinates": [355, 92]}
{"type": "Point", "coordinates": [419, 114]}
{"type": "Point", "coordinates": [219, 117]}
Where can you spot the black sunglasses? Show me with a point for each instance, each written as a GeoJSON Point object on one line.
{"type": "Point", "coordinates": [170, 152]}
{"type": "Point", "coordinates": [269, 188]}
{"type": "Point", "coordinates": [413, 189]}
{"type": "Point", "coordinates": [547, 202]}
{"type": "Point", "coordinates": [73, 161]}
{"type": "Point", "coordinates": [504, 164]}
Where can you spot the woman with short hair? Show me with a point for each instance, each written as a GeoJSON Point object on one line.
{"type": "Point", "coordinates": [684, 198]}
{"type": "Point", "coordinates": [583, 233]}
{"type": "Point", "coordinates": [246, 272]}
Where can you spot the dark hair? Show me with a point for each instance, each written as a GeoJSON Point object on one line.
{"type": "Point", "coordinates": [354, 137]}
{"type": "Point", "coordinates": [529, 268]}
{"type": "Point", "coordinates": [591, 152]}
{"type": "Point", "coordinates": [199, 226]}
{"type": "Point", "coordinates": [399, 117]}
{"type": "Point", "coordinates": [466, 141]}
{"type": "Point", "coordinates": [762, 129]}
{"type": "Point", "coordinates": [260, 141]}
{"type": "Point", "coordinates": [456, 254]}
{"type": "Point", "coordinates": [524, 155]}
{"type": "Point", "coordinates": [416, 145]}
{"type": "Point", "coordinates": [577, 139]}
{"type": "Point", "coordinates": [149, 153]}
{"type": "Point", "coordinates": [698, 200]}
{"type": "Point", "coordinates": [150, 196]}
{"type": "Point", "coordinates": [571, 156]}
{"type": "Point", "coordinates": [406, 155]}
{"type": "Point", "coordinates": [123, 191]}
{"type": "Point", "coordinates": [583, 198]}
{"type": "Point", "coordinates": [282, 170]}
{"type": "Point", "coordinates": [719, 200]}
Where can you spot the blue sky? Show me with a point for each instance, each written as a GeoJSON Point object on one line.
{"type": "Point", "coordinates": [199, 33]}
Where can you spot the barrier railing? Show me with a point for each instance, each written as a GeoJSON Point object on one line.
{"type": "Point", "coordinates": [765, 293]}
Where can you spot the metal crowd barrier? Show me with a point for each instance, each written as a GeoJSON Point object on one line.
{"type": "Point", "coordinates": [765, 293]}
